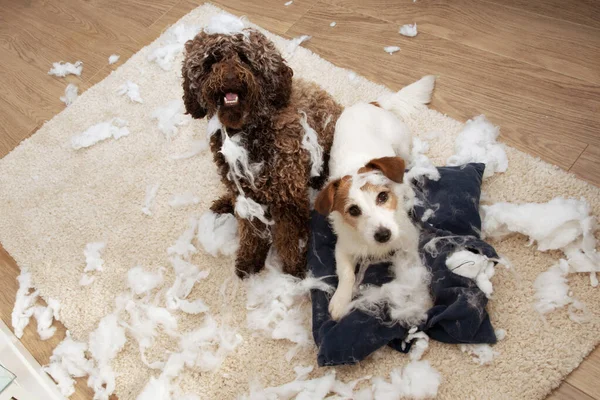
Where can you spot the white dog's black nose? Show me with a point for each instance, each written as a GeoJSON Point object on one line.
{"type": "Point", "coordinates": [383, 235]}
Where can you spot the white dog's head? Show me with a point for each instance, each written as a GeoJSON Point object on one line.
{"type": "Point", "coordinates": [371, 204]}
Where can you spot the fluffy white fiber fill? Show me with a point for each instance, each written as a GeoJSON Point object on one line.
{"type": "Point", "coordinates": [141, 281]}
{"type": "Point", "coordinates": [238, 160]}
{"type": "Point", "coordinates": [63, 69]}
{"type": "Point", "coordinates": [409, 30]}
{"type": "Point", "coordinates": [420, 165]}
{"type": "Point", "coordinates": [45, 316]}
{"type": "Point", "coordinates": [560, 224]}
{"type": "Point", "coordinates": [217, 233]}
{"type": "Point", "coordinates": [248, 209]}
{"type": "Point", "coordinates": [170, 117]}
{"type": "Point", "coordinates": [24, 303]}
{"type": "Point", "coordinates": [225, 24]}
{"type": "Point", "coordinates": [70, 94]}
{"type": "Point", "coordinates": [473, 266]}
{"type": "Point", "coordinates": [113, 58]}
{"type": "Point", "coordinates": [151, 191]}
{"type": "Point", "coordinates": [418, 380]}
{"type": "Point", "coordinates": [115, 128]}
{"type": "Point", "coordinates": [310, 142]}
{"type": "Point", "coordinates": [277, 303]}
{"type": "Point", "coordinates": [132, 90]}
{"type": "Point", "coordinates": [302, 389]}
{"type": "Point", "coordinates": [481, 353]}
{"type": "Point", "coordinates": [391, 49]}
{"type": "Point", "coordinates": [68, 361]}
{"type": "Point", "coordinates": [183, 247]}
{"type": "Point", "coordinates": [172, 45]}
{"type": "Point", "coordinates": [476, 143]}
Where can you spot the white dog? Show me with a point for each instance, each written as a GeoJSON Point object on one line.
{"type": "Point", "coordinates": [368, 203]}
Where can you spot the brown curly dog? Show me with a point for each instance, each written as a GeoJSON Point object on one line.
{"type": "Point", "coordinates": [243, 81]}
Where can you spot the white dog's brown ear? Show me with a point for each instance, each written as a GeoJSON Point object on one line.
{"type": "Point", "coordinates": [326, 197]}
{"type": "Point", "coordinates": [391, 167]}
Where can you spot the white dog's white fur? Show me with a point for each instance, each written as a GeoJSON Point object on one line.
{"type": "Point", "coordinates": [368, 203]}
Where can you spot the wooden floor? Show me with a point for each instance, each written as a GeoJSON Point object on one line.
{"type": "Point", "coordinates": [532, 66]}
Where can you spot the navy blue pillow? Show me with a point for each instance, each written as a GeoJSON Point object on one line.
{"type": "Point", "coordinates": [458, 314]}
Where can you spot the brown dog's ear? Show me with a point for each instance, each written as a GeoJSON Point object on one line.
{"type": "Point", "coordinates": [190, 96]}
{"type": "Point", "coordinates": [391, 167]}
{"type": "Point", "coordinates": [326, 197]}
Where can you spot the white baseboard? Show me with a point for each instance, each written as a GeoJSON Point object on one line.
{"type": "Point", "coordinates": [31, 383]}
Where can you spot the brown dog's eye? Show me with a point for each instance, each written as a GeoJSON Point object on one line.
{"type": "Point", "coordinates": [243, 58]}
{"type": "Point", "coordinates": [382, 197]}
{"type": "Point", "coordinates": [354, 211]}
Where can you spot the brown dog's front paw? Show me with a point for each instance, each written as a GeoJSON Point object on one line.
{"type": "Point", "coordinates": [224, 205]}
{"type": "Point", "coordinates": [245, 268]}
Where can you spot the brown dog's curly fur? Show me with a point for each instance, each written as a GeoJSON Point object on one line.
{"type": "Point", "coordinates": [268, 118]}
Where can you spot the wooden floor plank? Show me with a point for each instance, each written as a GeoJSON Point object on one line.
{"type": "Point", "coordinates": [566, 391]}
{"type": "Point", "coordinates": [465, 88]}
{"type": "Point", "coordinates": [585, 377]}
{"type": "Point", "coordinates": [587, 165]}
{"type": "Point", "coordinates": [272, 15]}
{"type": "Point", "coordinates": [143, 12]}
{"type": "Point", "coordinates": [584, 12]}
{"type": "Point", "coordinates": [556, 45]}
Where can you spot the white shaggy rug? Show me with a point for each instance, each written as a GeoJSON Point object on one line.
{"type": "Point", "coordinates": [55, 199]}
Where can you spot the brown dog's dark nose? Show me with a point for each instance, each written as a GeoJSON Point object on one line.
{"type": "Point", "coordinates": [383, 235]}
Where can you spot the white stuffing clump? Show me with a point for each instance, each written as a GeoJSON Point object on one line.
{"type": "Point", "coordinates": [63, 69]}
{"type": "Point", "coordinates": [288, 3]}
{"type": "Point", "coordinates": [481, 353]}
{"type": "Point", "coordinates": [45, 316]}
{"type": "Point", "coordinates": [294, 43]}
{"type": "Point", "coordinates": [300, 388]}
{"type": "Point", "coordinates": [500, 334]}
{"type": "Point", "coordinates": [115, 128]}
{"type": "Point", "coordinates": [418, 380]}
{"type": "Point", "coordinates": [406, 298]}
{"type": "Point", "coordinates": [70, 94]}
{"type": "Point", "coordinates": [333, 24]}
{"type": "Point", "coordinates": [409, 30]}
{"type": "Point", "coordinates": [248, 209]}
{"type": "Point", "coordinates": [225, 24]}
{"type": "Point", "coordinates": [183, 247]}
{"type": "Point", "coordinates": [197, 147]}
{"type": "Point", "coordinates": [277, 303]}
{"type": "Point", "coordinates": [552, 292]}
{"type": "Point", "coordinates": [560, 224]}
{"type": "Point", "coordinates": [391, 49]}
{"type": "Point", "coordinates": [476, 143]}
{"type": "Point", "coordinates": [173, 45]}
{"type": "Point", "coordinates": [170, 117]}
{"type": "Point", "coordinates": [93, 262]}
{"type": "Point", "coordinates": [218, 233]}
{"type": "Point", "coordinates": [420, 344]}
{"type": "Point", "coordinates": [132, 90]}
{"type": "Point", "coordinates": [473, 266]}
{"type": "Point", "coordinates": [310, 142]}
{"type": "Point", "coordinates": [104, 345]}
{"type": "Point", "coordinates": [184, 199]}
{"type": "Point", "coordinates": [68, 361]}
{"type": "Point", "coordinates": [141, 281]}
{"type": "Point", "coordinates": [420, 165]}
{"type": "Point", "coordinates": [186, 276]}
{"type": "Point", "coordinates": [113, 58]}
{"type": "Point", "coordinates": [24, 303]}
{"type": "Point", "coordinates": [238, 160]}
{"type": "Point", "coordinates": [151, 191]}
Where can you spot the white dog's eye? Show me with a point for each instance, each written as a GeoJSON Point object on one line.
{"type": "Point", "coordinates": [354, 211]}
{"type": "Point", "coordinates": [382, 197]}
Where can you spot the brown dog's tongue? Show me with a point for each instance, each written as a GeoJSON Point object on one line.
{"type": "Point", "coordinates": [231, 97]}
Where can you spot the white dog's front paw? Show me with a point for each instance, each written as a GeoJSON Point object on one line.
{"type": "Point", "coordinates": [338, 306]}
